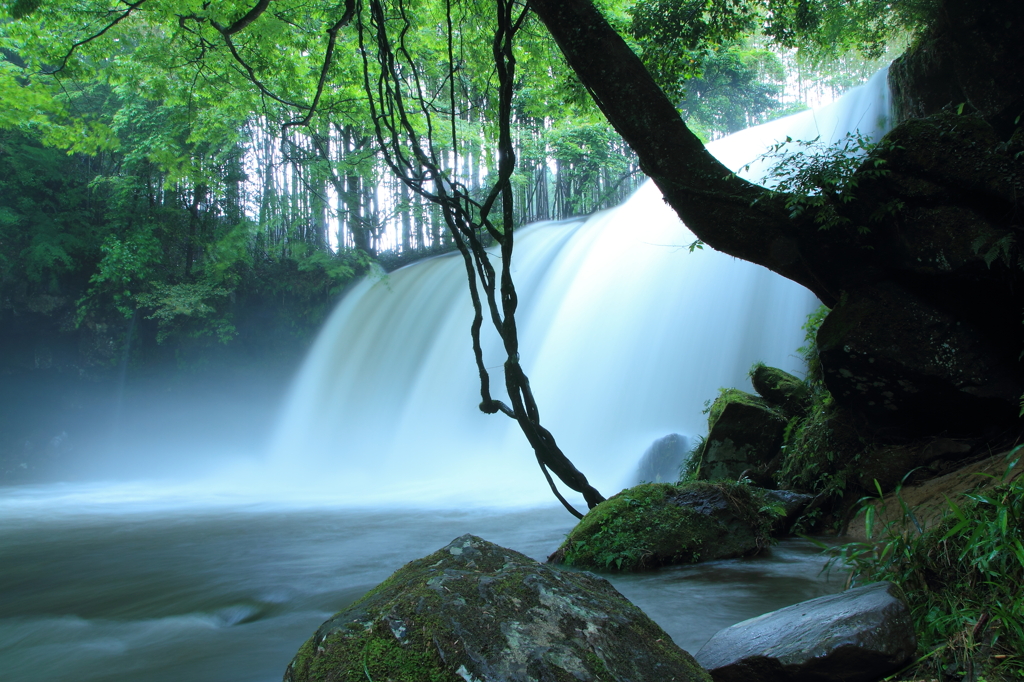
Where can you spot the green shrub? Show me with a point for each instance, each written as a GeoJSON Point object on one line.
{"type": "Point", "coordinates": [819, 451]}
{"type": "Point", "coordinates": [962, 578]}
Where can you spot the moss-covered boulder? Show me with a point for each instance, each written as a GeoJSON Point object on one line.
{"type": "Point", "coordinates": [781, 389]}
{"type": "Point", "coordinates": [656, 524]}
{"type": "Point", "coordinates": [744, 432]}
{"type": "Point", "coordinates": [476, 612]}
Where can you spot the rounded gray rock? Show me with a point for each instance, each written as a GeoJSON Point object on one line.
{"type": "Point", "coordinates": [476, 612]}
{"type": "Point", "coordinates": [859, 635]}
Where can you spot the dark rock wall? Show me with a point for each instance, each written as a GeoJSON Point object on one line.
{"type": "Point", "coordinates": [926, 336]}
{"type": "Point", "coordinates": [972, 55]}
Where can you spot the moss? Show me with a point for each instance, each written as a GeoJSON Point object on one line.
{"type": "Point", "coordinates": [597, 665]}
{"type": "Point", "coordinates": [732, 395]}
{"type": "Point", "coordinates": [780, 388]}
{"type": "Point", "coordinates": [834, 328]}
{"type": "Point", "coordinates": [376, 655]}
{"type": "Point", "coordinates": [821, 456]}
{"type": "Point", "coordinates": [374, 638]}
{"type": "Point", "coordinates": [475, 610]}
{"type": "Point", "coordinates": [623, 532]}
{"type": "Point", "coordinates": [744, 433]}
{"type": "Point", "coordinates": [656, 524]}
{"type": "Point", "coordinates": [298, 669]}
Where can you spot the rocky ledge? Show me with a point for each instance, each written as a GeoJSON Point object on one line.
{"type": "Point", "coordinates": [859, 635]}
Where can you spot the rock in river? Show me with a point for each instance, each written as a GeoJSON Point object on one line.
{"type": "Point", "coordinates": [859, 635]}
{"type": "Point", "coordinates": [476, 612]}
{"type": "Point", "coordinates": [659, 524]}
{"type": "Point", "coordinates": [744, 432]}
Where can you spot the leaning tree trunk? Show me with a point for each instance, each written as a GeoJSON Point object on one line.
{"type": "Point", "coordinates": [723, 210]}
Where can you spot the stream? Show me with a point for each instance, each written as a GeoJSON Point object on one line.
{"type": "Point", "coordinates": [95, 589]}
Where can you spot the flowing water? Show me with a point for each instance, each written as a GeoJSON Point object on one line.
{"type": "Point", "coordinates": [228, 594]}
{"type": "Point", "coordinates": [625, 333]}
{"type": "Point", "coordinates": [381, 456]}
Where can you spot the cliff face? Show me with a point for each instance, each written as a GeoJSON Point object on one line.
{"type": "Point", "coordinates": [926, 338]}
{"type": "Point", "coordinates": [973, 55]}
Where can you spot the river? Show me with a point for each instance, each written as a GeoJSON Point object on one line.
{"type": "Point", "coordinates": [94, 590]}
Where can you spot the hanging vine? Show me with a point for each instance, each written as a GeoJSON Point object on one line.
{"type": "Point", "coordinates": [405, 115]}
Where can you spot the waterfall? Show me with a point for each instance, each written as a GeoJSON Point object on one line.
{"type": "Point", "coordinates": [625, 334]}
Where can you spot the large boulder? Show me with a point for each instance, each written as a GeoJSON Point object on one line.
{"type": "Point", "coordinates": [657, 524]}
{"type": "Point", "coordinates": [859, 635]}
{"type": "Point", "coordinates": [928, 338]}
{"type": "Point", "coordinates": [476, 612]}
{"type": "Point", "coordinates": [896, 358]}
{"type": "Point", "coordinates": [744, 433]}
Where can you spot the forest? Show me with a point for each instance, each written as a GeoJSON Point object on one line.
{"type": "Point", "coordinates": [183, 193]}
{"type": "Point", "coordinates": [188, 201]}
{"type": "Point", "coordinates": [186, 184]}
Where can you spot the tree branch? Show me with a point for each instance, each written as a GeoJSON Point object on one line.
{"type": "Point", "coordinates": [245, 21]}
{"type": "Point", "coordinates": [723, 210]}
{"type": "Point", "coordinates": [71, 51]}
{"type": "Point", "coordinates": [332, 32]}
{"type": "Point", "coordinates": [249, 17]}
{"type": "Point", "coordinates": [253, 78]}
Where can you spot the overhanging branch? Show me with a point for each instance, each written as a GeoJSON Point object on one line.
{"type": "Point", "coordinates": [117, 20]}
{"type": "Point", "coordinates": [396, 93]}
{"type": "Point", "coordinates": [249, 17]}
{"type": "Point", "coordinates": [723, 210]}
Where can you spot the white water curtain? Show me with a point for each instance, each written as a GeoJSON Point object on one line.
{"type": "Point", "coordinates": [624, 333]}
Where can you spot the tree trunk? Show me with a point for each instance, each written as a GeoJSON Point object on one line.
{"type": "Point", "coordinates": [406, 222]}
{"type": "Point", "coordinates": [718, 207]}
{"type": "Point", "coordinates": [194, 218]}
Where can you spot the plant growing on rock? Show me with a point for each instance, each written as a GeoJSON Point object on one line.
{"type": "Point", "coordinates": [656, 524]}
{"type": "Point", "coordinates": [818, 451]}
{"type": "Point", "coordinates": [816, 178]}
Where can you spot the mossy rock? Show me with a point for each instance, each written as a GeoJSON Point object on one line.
{"type": "Point", "coordinates": [657, 524]}
{"type": "Point", "coordinates": [476, 612]}
{"type": "Point", "coordinates": [781, 389]}
{"type": "Point", "coordinates": [744, 432]}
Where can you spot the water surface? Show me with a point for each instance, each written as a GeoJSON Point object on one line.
{"type": "Point", "coordinates": [228, 593]}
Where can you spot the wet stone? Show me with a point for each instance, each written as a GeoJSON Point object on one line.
{"type": "Point", "coordinates": [859, 635]}
{"type": "Point", "coordinates": [474, 611]}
